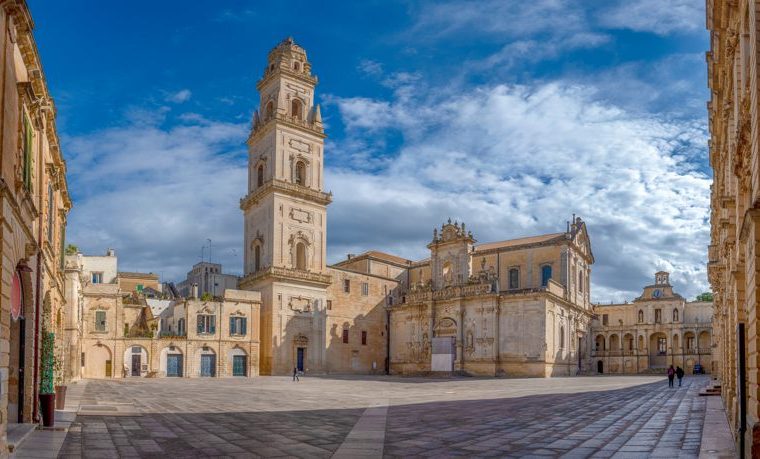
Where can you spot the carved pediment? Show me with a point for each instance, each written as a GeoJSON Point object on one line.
{"type": "Point", "coordinates": [206, 310]}
{"type": "Point", "coordinates": [238, 313]}
{"type": "Point", "coordinates": [301, 340]}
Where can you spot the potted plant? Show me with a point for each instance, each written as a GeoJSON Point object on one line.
{"type": "Point", "coordinates": [60, 387]}
{"type": "Point", "coordinates": [47, 370]}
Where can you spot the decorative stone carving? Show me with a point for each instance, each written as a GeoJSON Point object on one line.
{"type": "Point", "coordinates": [299, 146]}
{"type": "Point", "coordinates": [300, 216]}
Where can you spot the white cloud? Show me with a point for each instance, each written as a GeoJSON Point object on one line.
{"type": "Point", "coordinates": [656, 16]}
{"type": "Point", "coordinates": [518, 160]}
{"type": "Point", "coordinates": [180, 96]}
{"type": "Point", "coordinates": [156, 194]}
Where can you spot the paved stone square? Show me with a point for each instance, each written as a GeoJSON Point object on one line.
{"type": "Point", "coordinates": [609, 416]}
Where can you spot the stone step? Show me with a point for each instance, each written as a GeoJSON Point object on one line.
{"type": "Point", "coordinates": [17, 433]}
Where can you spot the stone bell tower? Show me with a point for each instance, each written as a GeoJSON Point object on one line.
{"type": "Point", "coordinates": [285, 210]}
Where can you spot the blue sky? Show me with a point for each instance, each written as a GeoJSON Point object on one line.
{"type": "Point", "coordinates": [509, 115]}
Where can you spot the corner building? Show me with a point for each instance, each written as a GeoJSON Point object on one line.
{"type": "Point", "coordinates": [734, 251]}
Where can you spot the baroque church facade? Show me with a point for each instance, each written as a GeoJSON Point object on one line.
{"type": "Point", "coordinates": [519, 307]}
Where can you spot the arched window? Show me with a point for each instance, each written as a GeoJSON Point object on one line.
{"type": "Point", "coordinates": [641, 316]}
{"type": "Point", "coordinates": [561, 337]}
{"type": "Point", "coordinates": [675, 315]}
{"type": "Point", "coordinates": [546, 274]}
{"type": "Point", "coordinates": [301, 256]}
{"type": "Point", "coordinates": [514, 278]}
{"type": "Point", "coordinates": [295, 108]}
{"type": "Point", "coordinates": [270, 110]}
{"type": "Point", "coordinates": [260, 176]}
{"type": "Point", "coordinates": [300, 173]}
{"type": "Point", "coordinates": [256, 258]}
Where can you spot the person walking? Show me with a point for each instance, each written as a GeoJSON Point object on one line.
{"type": "Point", "coordinates": [295, 374]}
{"type": "Point", "coordinates": [679, 375]}
{"type": "Point", "coordinates": [671, 375]}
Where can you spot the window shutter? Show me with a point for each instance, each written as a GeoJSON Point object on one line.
{"type": "Point", "coordinates": [232, 325]}
{"type": "Point", "coordinates": [243, 323]}
{"type": "Point", "coordinates": [213, 324]}
{"type": "Point", "coordinates": [200, 324]}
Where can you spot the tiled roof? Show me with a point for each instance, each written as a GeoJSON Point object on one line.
{"type": "Point", "coordinates": [518, 242]}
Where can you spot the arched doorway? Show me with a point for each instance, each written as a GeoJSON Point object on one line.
{"type": "Point", "coordinates": [658, 350]}
{"type": "Point", "coordinates": [135, 361]}
{"type": "Point", "coordinates": [172, 362]}
{"type": "Point", "coordinates": [98, 362]}
{"type": "Point", "coordinates": [238, 361]}
{"type": "Point", "coordinates": [599, 343]}
{"type": "Point", "coordinates": [207, 363]}
{"type": "Point", "coordinates": [21, 338]}
{"type": "Point", "coordinates": [600, 367]}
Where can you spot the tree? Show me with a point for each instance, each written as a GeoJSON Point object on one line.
{"type": "Point", "coordinates": [71, 249]}
{"type": "Point", "coordinates": [706, 296]}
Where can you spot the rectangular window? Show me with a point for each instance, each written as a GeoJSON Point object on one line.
{"type": "Point", "coordinates": [514, 278]}
{"type": "Point", "coordinates": [345, 335]}
{"type": "Point", "coordinates": [100, 321]}
{"type": "Point", "coordinates": [27, 139]}
{"type": "Point", "coordinates": [364, 338]}
{"type": "Point", "coordinates": [662, 346]}
{"type": "Point", "coordinates": [136, 349]}
{"type": "Point", "coordinates": [658, 316]}
{"type": "Point", "coordinates": [689, 342]}
{"type": "Point", "coordinates": [97, 278]}
{"type": "Point", "coordinates": [329, 305]}
{"type": "Point", "coordinates": [238, 326]}
{"type": "Point", "coordinates": [346, 286]}
{"type": "Point", "coordinates": [206, 324]}
{"type": "Point", "coordinates": [82, 358]}
{"type": "Point", "coordinates": [605, 319]}
{"type": "Point", "coordinates": [365, 289]}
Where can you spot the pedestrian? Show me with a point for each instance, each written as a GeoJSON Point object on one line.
{"type": "Point", "coordinates": [295, 374]}
{"type": "Point", "coordinates": [679, 374]}
{"type": "Point", "coordinates": [671, 375]}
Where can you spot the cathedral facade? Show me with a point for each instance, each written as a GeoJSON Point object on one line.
{"type": "Point", "coordinates": [517, 307]}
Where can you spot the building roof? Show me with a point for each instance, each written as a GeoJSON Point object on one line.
{"type": "Point", "coordinates": [136, 275]}
{"type": "Point", "coordinates": [376, 254]}
{"type": "Point", "coordinates": [523, 241]}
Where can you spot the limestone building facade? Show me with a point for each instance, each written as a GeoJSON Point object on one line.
{"type": "Point", "coordinates": [519, 307]}
{"type": "Point", "coordinates": [514, 307]}
{"type": "Point", "coordinates": [733, 267]}
{"type": "Point", "coordinates": [34, 205]}
{"type": "Point", "coordinates": [209, 278]}
{"type": "Point", "coordinates": [658, 329]}
{"type": "Point", "coordinates": [120, 336]}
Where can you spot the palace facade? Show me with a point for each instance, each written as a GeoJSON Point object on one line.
{"type": "Point", "coordinates": [658, 329]}
{"type": "Point", "coordinates": [34, 205]}
{"type": "Point", "coordinates": [733, 254]}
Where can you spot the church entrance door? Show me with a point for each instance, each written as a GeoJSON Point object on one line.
{"type": "Point", "coordinates": [299, 358]}
{"type": "Point", "coordinates": [600, 367]}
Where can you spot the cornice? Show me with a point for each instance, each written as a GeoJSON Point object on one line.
{"type": "Point", "coordinates": [290, 189]}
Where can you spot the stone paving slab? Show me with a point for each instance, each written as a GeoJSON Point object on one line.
{"type": "Point", "coordinates": [392, 417]}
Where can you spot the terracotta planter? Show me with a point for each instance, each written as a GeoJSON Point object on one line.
{"type": "Point", "coordinates": [60, 397]}
{"type": "Point", "coordinates": [47, 408]}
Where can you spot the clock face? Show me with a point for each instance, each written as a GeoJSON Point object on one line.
{"type": "Point", "coordinates": [656, 293]}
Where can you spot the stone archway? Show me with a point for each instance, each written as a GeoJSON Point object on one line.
{"type": "Point", "coordinates": [21, 338]}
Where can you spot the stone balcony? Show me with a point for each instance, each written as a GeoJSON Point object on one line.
{"type": "Point", "coordinates": [285, 274]}
{"type": "Point", "coordinates": [290, 189]}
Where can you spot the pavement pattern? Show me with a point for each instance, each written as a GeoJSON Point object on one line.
{"type": "Point", "coordinates": [607, 416]}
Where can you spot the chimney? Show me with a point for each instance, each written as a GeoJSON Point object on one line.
{"type": "Point", "coordinates": [195, 291]}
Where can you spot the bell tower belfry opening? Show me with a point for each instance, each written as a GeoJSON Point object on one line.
{"type": "Point", "coordinates": [285, 208]}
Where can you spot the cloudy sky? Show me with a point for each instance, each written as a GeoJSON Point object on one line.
{"type": "Point", "coordinates": [508, 115]}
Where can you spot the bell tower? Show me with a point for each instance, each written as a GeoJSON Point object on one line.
{"type": "Point", "coordinates": [285, 208]}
